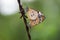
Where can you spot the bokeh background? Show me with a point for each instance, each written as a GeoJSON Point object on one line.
{"type": "Point", "coordinates": [13, 28]}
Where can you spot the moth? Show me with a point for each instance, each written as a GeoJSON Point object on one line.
{"type": "Point", "coordinates": [35, 17]}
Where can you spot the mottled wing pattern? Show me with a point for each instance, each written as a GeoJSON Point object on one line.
{"type": "Point", "coordinates": [35, 17]}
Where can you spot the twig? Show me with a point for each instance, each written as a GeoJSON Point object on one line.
{"type": "Point", "coordinates": [25, 21]}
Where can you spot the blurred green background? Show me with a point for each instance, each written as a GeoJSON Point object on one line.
{"type": "Point", "coordinates": [13, 28]}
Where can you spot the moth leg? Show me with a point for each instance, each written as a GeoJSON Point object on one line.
{"type": "Point", "coordinates": [29, 27]}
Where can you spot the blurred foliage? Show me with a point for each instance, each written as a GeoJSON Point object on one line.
{"type": "Point", "coordinates": [13, 28]}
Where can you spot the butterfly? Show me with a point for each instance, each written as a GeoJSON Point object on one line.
{"type": "Point", "coordinates": [35, 17]}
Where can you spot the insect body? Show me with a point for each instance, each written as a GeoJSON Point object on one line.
{"type": "Point", "coordinates": [35, 17]}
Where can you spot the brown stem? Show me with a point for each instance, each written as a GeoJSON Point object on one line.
{"type": "Point", "coordinates": [25, 21]}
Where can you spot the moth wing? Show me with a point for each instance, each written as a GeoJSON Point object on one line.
{"type": "Point", "coordinates": [32, 14]}
{"type": "Point", "coordinates": [34, 22]}
{"type": "Point", "coordinates": [42, 17]}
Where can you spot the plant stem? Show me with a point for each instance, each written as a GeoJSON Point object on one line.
{"type": "Point", "coordinates": [25, 21]}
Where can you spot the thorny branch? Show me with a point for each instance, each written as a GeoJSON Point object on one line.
{"type": "Point", "coordinates": [25, 21]}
